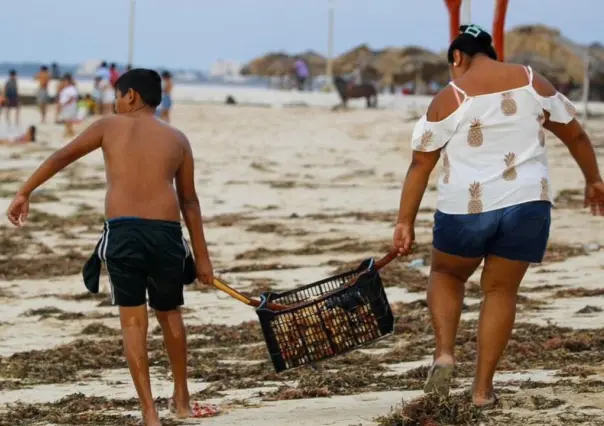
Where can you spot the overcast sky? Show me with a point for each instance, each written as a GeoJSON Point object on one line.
{"type": "Point", "coordinates": [195, 33]}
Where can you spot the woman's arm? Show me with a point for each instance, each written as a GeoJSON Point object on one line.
{"type": "Point", "coordinates": [572, 135]}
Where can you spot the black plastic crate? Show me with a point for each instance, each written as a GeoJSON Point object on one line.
{"type": "Point", "coordinates": [328, 318]}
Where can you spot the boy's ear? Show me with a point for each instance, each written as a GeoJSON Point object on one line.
{"type": "Point", "coordinates": [131, 96]}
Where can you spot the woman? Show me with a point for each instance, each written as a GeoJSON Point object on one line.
{"type": "Point", "coordinates": [494, 196]}
{"type": "Point", "coordinates": [68, 104]}
{"type": "Point", "coordinates": [163, 110]}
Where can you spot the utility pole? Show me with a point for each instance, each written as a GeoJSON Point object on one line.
{"type": "Point", "coordinates": [131, 33]}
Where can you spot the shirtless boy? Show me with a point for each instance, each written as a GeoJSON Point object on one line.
{"type": "Point", "coordinates": [43, 78]}
{"type": "Point", "coordinates": [142, 244]}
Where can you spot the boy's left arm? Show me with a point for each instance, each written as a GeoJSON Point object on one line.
{"type": "Point", "coordinates": [89, 140]}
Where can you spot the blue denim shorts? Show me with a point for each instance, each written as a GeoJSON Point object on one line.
{"type": "Point", "coordinates": [517, 232]}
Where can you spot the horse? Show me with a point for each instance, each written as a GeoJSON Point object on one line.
{"type": "Point", "coordinates": [354, 91]}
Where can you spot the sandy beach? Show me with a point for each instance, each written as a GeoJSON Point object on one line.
{"type": "Point", "coordinates": [289, 196]}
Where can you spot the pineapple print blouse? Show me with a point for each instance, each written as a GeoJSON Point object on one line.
{"type": "Point", "coordinates": [493, 148]}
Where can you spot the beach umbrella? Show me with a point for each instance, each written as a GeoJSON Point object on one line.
{"type": "Point", "coordinates": [550, 70]}
{"type": "Point", "coordinates": [317, 63]}
{"type": "Point", "coordinates": [260, 66]}
{"type": "Point", "coordinates": [349, 61]}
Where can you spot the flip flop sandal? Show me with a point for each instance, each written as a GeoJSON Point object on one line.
{"type": "Point", "coordinates": [489, 405]}
{"type": "Point", "coordinates": [439, 379]}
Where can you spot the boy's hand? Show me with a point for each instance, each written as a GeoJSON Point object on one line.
{"type": "Point", "coordinates": [18, 210]}
{"type": "Point", "coordinates": [594, 198]}
{"type": "Point", "coordinates": [205, 274]}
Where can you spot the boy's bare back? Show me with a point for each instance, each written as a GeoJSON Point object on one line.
{"type": "Point", "coordinates": [143, 156]}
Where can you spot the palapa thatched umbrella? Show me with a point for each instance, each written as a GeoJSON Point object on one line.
{"type": "Point", "coordinates": [349, 61]}
{"type": "Point", "coordinates": [549, 44]}
{"type": "Point", "coordinates": [317, 63]}
{"type": "Point", "coordinates": [540, 64]}
{"type": "Point", "coordinates": [399, 66]}
{"type": "Point", "coordinates": [260, 66]}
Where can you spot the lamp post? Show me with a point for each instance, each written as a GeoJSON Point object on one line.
{"type": "Point", "coordinates": [131, 33]}
{"type": "Point", "coordinates": [331, 16]}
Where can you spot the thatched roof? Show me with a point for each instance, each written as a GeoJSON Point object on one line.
{"type": "Point", "coordinates": [349, 61]}
{"type": "Point", "coordinates": [317, 63]}
{"type": "Point", "coordinates": [398, 66]}
{"type": "Point", "coordinates": [261, 66]}
{"type": "Point", "coordinates": [549, 45]}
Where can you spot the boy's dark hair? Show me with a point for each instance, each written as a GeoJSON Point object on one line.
{"type": "Point", "coordinates": [472, 40]}
{"type": "Point", "coordinates": [32, 131]}
{"type": "Point", "coordinates": [145, 82]}
{"type": "Point", "coordinates": [166, 74]}
{"type": "Point", "coordinates": [12, 73]}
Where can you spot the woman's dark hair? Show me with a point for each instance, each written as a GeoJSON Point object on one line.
{"type": "Point", "coordinates": [472, 40]}
{"type": "Point", "coordinates": [145, 82]}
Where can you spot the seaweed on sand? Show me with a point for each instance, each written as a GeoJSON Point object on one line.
{"type": "Point", "coordinates": [434, 410]}
{"type": "Point", "coordinates": [44, 266]}
{"type": "Point", "coordinates": [76, 409]}
{"type": "Point", "coordinates": [91, 220]}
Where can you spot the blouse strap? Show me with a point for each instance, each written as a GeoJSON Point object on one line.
{"type": "Point", "coordinates": [529, 73]}
{"type": "Point", "coordinates": [457, 91]}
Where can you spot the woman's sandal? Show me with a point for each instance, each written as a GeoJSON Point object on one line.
{"type": "Point", "coordinates": [439, 379]}
{"type": "Point", "coordinates": [489, 405]}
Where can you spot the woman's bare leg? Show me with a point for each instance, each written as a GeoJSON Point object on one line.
{"type": "Point", "coordinates": [134, 322]}
{"type": "Point", "coordinates": [500, 281]}
{"type": "Point", "coordinates": [448, 276]}
{"type": "Point", "coordinates": [175, 339]}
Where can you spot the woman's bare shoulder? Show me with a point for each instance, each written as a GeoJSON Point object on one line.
{"type": "Point", "coordinates": [443, 105]}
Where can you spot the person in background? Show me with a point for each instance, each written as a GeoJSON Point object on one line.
{"type": "Point", "coordinates": [27, 137]}
{"type": "Point", "coordinates": [103, 72]}
{"type": "Point", "coordinates": [107, 96]}
{"type": "Point", "coordinates": [55, 73]}
{"type": "Point", "coordinates": [68, 104]}
{"type": "Point", "coordinates": [302, 72]}
{"type": "Point", "coordinates": [494, 195]}
{"type": "Point", "coordinates": [114, 74]}
{"type": "Point", "coordinates": [163, 110]}
{"type": "Point", "coordinates": [60, 86]}
{"type": "Point", "coordinates": [11, 97]}
{"type": "Point", "coordinates": [43, 78]}
{"type": "Point", "coordinates": [90, 105]}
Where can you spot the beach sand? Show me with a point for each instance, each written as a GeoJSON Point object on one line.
{"type": "Point", "coordinates": [288, 196]}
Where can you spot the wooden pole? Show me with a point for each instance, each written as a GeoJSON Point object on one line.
{"type": "Point", "coordinates": [466, 12]}
{"type": "Point", "coordinates": [501, 7]}
{"type": "Point", "coordinates": [454, 7]}
{"type": "Point", "coordinates": [586, 86]}
{"type": "Point", "coordinates": [331, 18]}
{"type": "Point", "coordinates": [131, 33]}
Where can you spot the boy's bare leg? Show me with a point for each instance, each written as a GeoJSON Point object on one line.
{"type": "Point", "coordinates": [175, 339]}
{"type": "Point", "coordinates": [134, 323]}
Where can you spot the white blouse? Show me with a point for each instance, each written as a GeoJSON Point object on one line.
{"type": "Point", "coordinates": [493, 149]}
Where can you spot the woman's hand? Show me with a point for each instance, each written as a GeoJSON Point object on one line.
{"type": "Point", "coordinates": [594, 198]}
{"type": "Point", "coordinates": [404, 237]}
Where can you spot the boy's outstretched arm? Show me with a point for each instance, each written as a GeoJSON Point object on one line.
{"type": "Point", "coordinates": [89, 140]}
{"type": "Point", "coordinates": [191, 212]}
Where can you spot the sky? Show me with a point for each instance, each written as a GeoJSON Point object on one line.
{"type": "Point", "coordinates": [195, 33]}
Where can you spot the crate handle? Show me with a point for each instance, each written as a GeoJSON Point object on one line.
{"type": "Point", "coordinates": [392, 254]}
{"type": "Point", "coordinates": [222, 286]}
